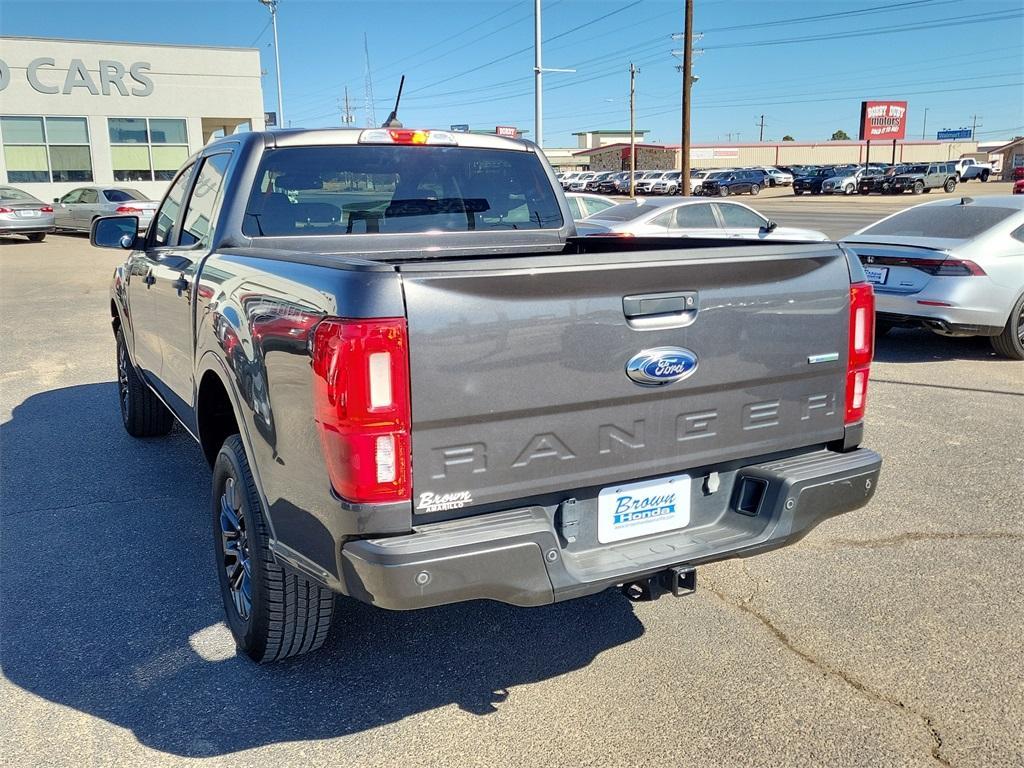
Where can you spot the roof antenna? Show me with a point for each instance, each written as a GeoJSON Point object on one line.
{"type": "Point", "coordinates": [392, 121]}
{"type": "Point", "coordinates": [966, 200]}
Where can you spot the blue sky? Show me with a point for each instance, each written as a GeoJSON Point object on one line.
{"type": "Point", "coordinates": [804, 65]}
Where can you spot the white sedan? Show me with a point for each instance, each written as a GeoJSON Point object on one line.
{"type": "Point", "coordinates": [689, 217]}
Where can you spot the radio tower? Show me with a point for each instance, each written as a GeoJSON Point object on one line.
{"type": "Point", "coordinates": [371, 117]}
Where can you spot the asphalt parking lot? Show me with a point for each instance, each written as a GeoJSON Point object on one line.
{"type": "Point", "coordinates": [889, 637]}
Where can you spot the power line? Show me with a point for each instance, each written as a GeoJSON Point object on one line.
{"type": "Point", "coordinates": [822, 16]}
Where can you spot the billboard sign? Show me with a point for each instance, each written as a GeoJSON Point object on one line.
{"type": "Point", "coordinates": [270, 119]}
{"type": "Point", "coordinates": [506, 130]}
{"type": "Point", "coordinates": [460, 128]}
{"type": "Point", "coordinates": [883, 120]}
{"type": "Point", "coordinates": [953, 135]}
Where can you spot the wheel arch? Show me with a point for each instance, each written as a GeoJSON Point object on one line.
{"type": "Point", "coordinates": [216, 415]}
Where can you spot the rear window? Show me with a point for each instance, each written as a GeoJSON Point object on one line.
{"type": "Point", "coordinates": [123, 195]}
{"type": "Point", "coordinates": [623, 212]}
{"type": "Point", "coordinates": [342, 190]}
{"type": "Point", "coordinates": [953, 222]}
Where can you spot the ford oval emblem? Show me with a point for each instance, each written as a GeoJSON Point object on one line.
{"type": "Point", "coordinates": [661, 365]}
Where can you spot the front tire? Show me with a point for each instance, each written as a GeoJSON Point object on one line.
{"type": "Point", "coordinates": [754, 189]}
{"type": "Point", "coordinates": [723, 191]}
{"type": "Point", "coordinates": [142, 413]}
{"type": "Point", "coordinates": [1010, 343]}
{"type": "Point", "coordinates": [918, 187]}
{"type": "Point", "coordinates": [849, 189]}
{"type": "Point", "coordinates": [36, 237]}
{"type": "Point", "coordinates": [272, 613]}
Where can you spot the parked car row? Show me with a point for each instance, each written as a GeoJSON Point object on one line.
{"type": "Point", "coordinates": [729, 181]}
{"type": "Point", "coordinates": [25, 214]}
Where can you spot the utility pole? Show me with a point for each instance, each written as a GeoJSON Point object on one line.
{"type": "Point", "coordinates": [684, 149]}
{"type": "Point", "coordinates": [347, 118]}
{"type": "Point", "coordinates": [924, 125]}
{"type": "Point", "coordinates": [538, 79]}
{"type": "Point", "coordinates": [974, 127]}
{"type": "Point", "coordinates": [272, 5]}
{"type": "Point", "coordinates": [761, 124]}
{"type": "Point", "coordinates": [632, 131]}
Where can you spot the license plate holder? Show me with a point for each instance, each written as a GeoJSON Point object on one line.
{"type": "Point", "coordinates": [28, 214]}
{"type": "Point", "coordinates": [629, 510]}
{"type": "Point", "coordinates": [876, 275]}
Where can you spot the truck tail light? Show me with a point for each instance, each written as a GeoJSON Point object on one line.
{"type": "Point", "coordinates": [361, 402]}
{"type": "Point", "coordinates": [413, 136]}
{"type": "Point", "coordinates": [861, 350]}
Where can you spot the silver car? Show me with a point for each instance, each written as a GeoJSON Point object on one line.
{"type": "Point", "coordinates": [583, 205]}
{"type": "Point", "coordinates": [22, 214]}
{"type": "Point", "coordinates": [76, 210]}
{"type": "Point", "coordinates": [953, 266]}
{"type": "Point", "coordinates": [690, 217]}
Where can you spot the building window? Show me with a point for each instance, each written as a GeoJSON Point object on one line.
{"type": "Point", "coordinates": [46, 149]}
{"type": "Point", "coordinates": [144, 149]}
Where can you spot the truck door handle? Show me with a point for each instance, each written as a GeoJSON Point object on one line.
{"type": "Point", "coordinates": [649, 304]}
{"type": "Point", "coordinates": [149, 279]}
{"type": "Point", "coordinates": [660, 311]}
{"type": "Point", "coordinates": [181, 284]}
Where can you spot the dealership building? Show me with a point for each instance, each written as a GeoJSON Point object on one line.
{"type": "Point", "coordinates": [76, 112]}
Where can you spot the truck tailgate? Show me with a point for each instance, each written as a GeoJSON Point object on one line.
{"type": "Point", "coordinates": [519, 383]}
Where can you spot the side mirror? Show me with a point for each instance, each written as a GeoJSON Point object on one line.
{"type": "Point", "coordinates": [56, 199]}
{"type": "Point", "coordinates": [771, 225]}
{"type": "Point", "coordinates": [115, 232]}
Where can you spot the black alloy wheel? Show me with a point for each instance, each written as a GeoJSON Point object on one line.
{"type": "Point", "coordinates": [236, 557]}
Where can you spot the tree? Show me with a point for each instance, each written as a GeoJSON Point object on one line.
{"type": "Point", "coordinates": [840, 135]}
{"type": "Point", "coordinates": [787, 137]}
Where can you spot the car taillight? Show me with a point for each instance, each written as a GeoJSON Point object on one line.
{"type": "Point", "coordinates": [6, 210]}
{"type": "Point", "coordinates": [361, 402]}
{"type": "Point", "coordinates": [46, 209]}
{"type": "Point", "coordinates": [861, 350]}
{"type": "Point", "coordinates": [128, 209]}
{"type": "Point", "coordinates": [934, 267]}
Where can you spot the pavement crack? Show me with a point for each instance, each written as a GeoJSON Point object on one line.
{"type": "Point", "coordinates": [80, 504]}
{"type": "Point", "coordinates": [913, 536]}
{"type": "Point", "coordinates": [746, 605]}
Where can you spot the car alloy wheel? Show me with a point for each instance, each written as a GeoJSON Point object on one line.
{"type": "Point", "coordinates": [235, 555]}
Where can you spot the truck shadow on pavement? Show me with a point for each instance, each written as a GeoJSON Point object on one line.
{"type": "Point", "coordinates": [905, 345]}
{"type": "Point", "coordinates": [110, 605]}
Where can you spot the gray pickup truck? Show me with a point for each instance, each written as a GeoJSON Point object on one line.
{"type": "Point", "coordinates": [415, 384]}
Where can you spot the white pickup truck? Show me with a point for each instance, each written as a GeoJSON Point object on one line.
{"type": "Point", "coordinates": [968, 168]}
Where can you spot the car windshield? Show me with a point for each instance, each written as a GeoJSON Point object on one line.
{"type": "Point", "coordinates": [953, 222]}
{"type": "Point", "coordinates": [720, 175]}
{"type": "Point", "coordinates": [123, 195]}
{"type": "Point", "coordinates": [10, 194]}
{"type": "Point", "coordinates": [916, 169]}
{"type": "Point", "coordinates": [398, 189]}
{"type": "Point", "coordinates": [623, 212]}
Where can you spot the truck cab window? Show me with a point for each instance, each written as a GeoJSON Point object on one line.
{"type": "Point", "coordinates": [199, 215]}
{"type": "Point", "coordinates": [164, 220]}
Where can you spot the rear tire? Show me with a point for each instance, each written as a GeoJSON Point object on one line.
{"type": "Point", "coordinates": [754, 189]}
{"type": "Point", "coordinates": [36, 237]}
{"type": "Point", "coordinates": [723, 191]}
{"type": "Point", "coordinates": [798, 192]}
{"type": "Point", "coordinates": [272, 613]}
{"type": "Point", "coordinates": [984, 175]}
{"type": "Point", "coordinates": [142, 413]}
{"type": "Point", "coordinates": [1010, 343]}
{"type": "Point", "coordinates": [950, 185]}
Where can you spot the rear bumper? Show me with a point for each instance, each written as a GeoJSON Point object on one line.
{"type": "Point", "coordinates": [520, 557]}
{"type": "Point", "coordinates": [26, 227]}
{"type": "Point", "coordinates": [979, 306]}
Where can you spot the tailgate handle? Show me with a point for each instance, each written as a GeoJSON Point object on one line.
{"type": "Point", "coordinates": [646, 305]}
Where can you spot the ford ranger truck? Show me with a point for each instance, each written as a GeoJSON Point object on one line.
{"type": "Point", "coordinates": [415, 385]}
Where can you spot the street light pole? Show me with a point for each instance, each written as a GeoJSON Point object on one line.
{"type": "Point", "coordinates": [272, 5]}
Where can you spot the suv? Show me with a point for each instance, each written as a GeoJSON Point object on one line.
{"type": "Point", "coordinates": [668, 184]}
{"type": "Point", "coordinates": [811, 180]}
{"type": "Point", "coordinates": [645, 184]}
{"type": "Point", "coordinates": [735, 183]}
{"type": "Point", "coordinates": [922, 177]}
